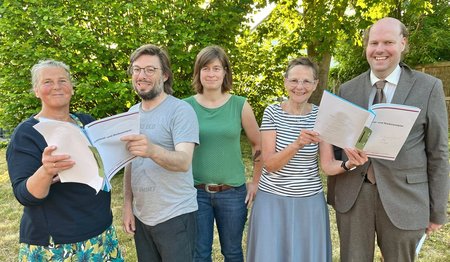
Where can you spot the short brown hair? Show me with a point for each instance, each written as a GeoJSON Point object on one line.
{"type": "Point", "coordinates": [206, 56]}
{"type": "Point", "coordinates": [163, 56]}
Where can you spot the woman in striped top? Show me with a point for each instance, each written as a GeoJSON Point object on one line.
{"type": "Point", "coordinates": [289, 219]}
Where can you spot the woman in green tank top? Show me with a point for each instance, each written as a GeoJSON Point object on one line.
{"type": "Point", "coordinates": [219, 172]}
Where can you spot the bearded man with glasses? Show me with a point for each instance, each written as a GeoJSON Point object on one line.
{"type": "Point", "coordinates": [160, 201]}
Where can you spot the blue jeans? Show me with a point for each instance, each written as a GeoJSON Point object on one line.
{"type": "Point", "coordinates": [229, 210]}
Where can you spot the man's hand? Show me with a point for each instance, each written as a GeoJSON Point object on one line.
{"type": "Point", "coordinates": [432, 227]}
{"type": "Point", "coordinates": [138, 145]}
{"type": "Point", "coordinates": [128, 220]}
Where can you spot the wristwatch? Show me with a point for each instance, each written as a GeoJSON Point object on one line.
{"type": "Point", "coordinates": [345, 167]}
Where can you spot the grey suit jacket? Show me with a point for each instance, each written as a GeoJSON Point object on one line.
{"type": "Point", "coordinates": [414, 188]}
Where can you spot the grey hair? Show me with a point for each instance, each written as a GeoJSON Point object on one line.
{"type": "Point", "coordinates": [303, 61]}
{"type": "Point", "coordinates": [36, 69]}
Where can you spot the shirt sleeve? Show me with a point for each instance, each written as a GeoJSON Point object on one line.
{"type": "Point", "coordinates": [185, 125]}
{"type": "Point", "coordinates": [268, 120]}
{"type": "Point", "coordinates": [24, 157]}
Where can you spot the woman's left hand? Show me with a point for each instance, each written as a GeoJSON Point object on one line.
{"type": "Point", "coordinates": [252, 188]}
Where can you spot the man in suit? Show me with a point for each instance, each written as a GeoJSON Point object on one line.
{"type": "Point", "coordinates": [407, 197]}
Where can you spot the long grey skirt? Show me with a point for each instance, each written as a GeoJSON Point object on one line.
{"type": "Point", "coordinates": [289, 229]}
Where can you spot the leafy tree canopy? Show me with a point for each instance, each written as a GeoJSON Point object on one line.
{"type": "Point", "coordinates": [429, 37]}
{"type": "Point", "coordinates": [95, 38]}
{"type": "Point", "coordinates": [322, 29]}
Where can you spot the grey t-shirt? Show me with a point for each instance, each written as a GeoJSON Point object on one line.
{"type": "Point", "coordinates": [160, 194]}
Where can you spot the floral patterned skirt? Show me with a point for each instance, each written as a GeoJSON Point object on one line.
{"type": "Point", "coordinates": [104, 247]}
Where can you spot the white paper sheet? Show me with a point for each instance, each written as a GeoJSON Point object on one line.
{"type": "Point", "coordinates": [420, 244]}
{"type": "Point", "coordinates": [390, 129]}
{"type": "Point", "coordinates": [340, 123]}
{"type": "Point", "coordinates": [105, 137]}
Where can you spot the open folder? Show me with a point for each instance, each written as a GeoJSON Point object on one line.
{"type": "Point", "coordinates": [380, 131]}
{"type": "Point", "coordinates": [96, 149]}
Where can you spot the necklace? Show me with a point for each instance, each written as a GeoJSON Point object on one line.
{"type": "Point", "coordinates": [291, 110]}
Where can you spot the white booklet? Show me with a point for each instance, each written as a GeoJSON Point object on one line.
{"type": "Point", "coordinates": [97, 150]}
{"type": "Point", "coordinates": [380, 132]}
{"type": "Point", "coordinates": [419, 244]}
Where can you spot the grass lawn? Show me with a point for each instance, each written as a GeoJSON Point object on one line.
{"type": "Point", "coordinates": [436, 248]}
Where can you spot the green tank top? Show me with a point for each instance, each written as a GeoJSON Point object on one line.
{"type": "Point", "coordinates": [218, 158]}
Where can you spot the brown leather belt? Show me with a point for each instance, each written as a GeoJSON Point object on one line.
{"type": "Point", "coordinates": [213, 188]}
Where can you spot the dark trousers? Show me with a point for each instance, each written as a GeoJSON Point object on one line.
{"type": "Point", "coordinates": [170, 241]}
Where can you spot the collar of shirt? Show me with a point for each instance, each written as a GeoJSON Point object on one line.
{"type": "Point", "coordinates": [389, 88]}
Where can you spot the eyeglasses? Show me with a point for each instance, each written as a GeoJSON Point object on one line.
{"type": "Point", "coordinates": [148, 70]}
{"type": "Point", "coordinates": [305, 83]}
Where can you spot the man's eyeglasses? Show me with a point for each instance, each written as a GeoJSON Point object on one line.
{"type": "Point", "coordinates": [305, 83]}
{"type": "Point", "coordinates": [148, 70]}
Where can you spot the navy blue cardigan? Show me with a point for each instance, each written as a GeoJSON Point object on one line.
{"type": "Point", "coordinates": [70, 213]}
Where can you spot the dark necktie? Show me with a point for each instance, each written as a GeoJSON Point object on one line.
{"type": "Point", "coordinates": [379, 98]}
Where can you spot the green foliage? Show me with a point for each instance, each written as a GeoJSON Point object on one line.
{"type": "Point", "coordinates": [264, 54]}
{"type": "Point", "coordinates": [429, 38]}
{"type": "Point", "coordinates": [352, 62]}
{"type": "Point", "coordinates": [325, 28]}
{"type": "Point", "coordinates": [95, 38]}
{"type": "Point", "coordinates": [309, 28]}
{"type": "Point", "coordinates": [427, 22]}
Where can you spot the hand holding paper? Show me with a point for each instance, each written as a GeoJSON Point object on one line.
{"type": "Point", "coordinates": [307, 137]}
{"type": "Point", "coordinates": [54, 163]}
{"type": "Point", "coordinates": [70, 140]}
{"type": "Point", "coordinates": [138, 145]}
{"type": "Point", "coordinates": [97, 150]}
{"type": "Point", "coordinates": [380, 132]}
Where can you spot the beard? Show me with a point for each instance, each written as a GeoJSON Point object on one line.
{"type": "Point", "coordinates": [149, 95]}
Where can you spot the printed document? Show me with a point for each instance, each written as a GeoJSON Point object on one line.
{"type": "Point", "coordinates": [96, 149]}
{"type": "Point", "coordinates": [380, 132]}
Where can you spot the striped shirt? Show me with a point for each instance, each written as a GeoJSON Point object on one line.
{"type": "Point", "coordinates": [300, 176]}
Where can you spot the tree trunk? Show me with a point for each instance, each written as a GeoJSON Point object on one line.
{"type": "Point", "coordinates": [324, 69]}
